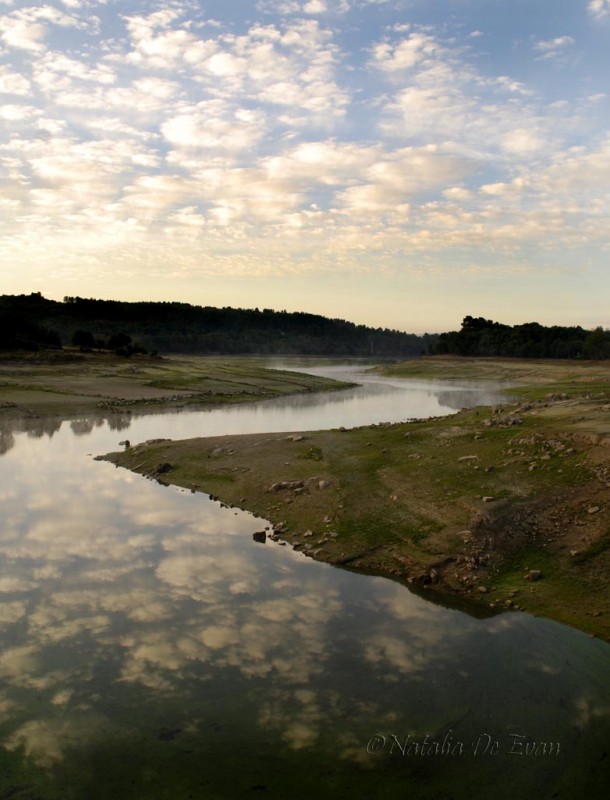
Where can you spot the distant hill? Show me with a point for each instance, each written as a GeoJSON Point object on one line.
{"type": "Point", "coordinates": [32, 321]}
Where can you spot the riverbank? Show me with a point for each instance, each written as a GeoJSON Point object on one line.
{"type": "Point", "coordinates": [506, 507]}
{"type": "Point", "coordinates": [69, 383]}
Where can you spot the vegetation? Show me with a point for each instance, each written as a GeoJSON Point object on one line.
{"type": "Point", "coordinates": [183, 328]}
{"type": "Point", "coordinates": [482, 337]}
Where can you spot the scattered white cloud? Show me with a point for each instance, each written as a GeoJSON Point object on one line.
{"type": "Point", "coordinates": [299, 128]}
{"type": "Point", "coordinates": [553, 48]}
{"type": "Point", "coordinates": [599, 8]}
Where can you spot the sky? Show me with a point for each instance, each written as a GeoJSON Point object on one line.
{"type": "Point", "coordinates": [397, 163]}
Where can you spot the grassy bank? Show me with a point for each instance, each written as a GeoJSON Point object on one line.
{"type": "Point", "coordinates": [504, 507]}
{"type": "Point", "coordinates": [70, 383]}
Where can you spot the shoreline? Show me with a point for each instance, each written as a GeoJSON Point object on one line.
{"type": "Point", "coordinates": [499, 508]}
{"type": "Point", "coordinates": [71, 384]}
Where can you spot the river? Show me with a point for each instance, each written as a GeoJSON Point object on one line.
{"type": "Point", "coordinates": [151, 649]}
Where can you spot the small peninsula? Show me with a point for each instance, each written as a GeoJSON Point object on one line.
{"type": "Point", "coordinates": [498, 508]}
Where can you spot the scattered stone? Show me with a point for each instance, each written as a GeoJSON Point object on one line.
{"type": "Point", "coordinates": [593, 510]}
{"type": "Point", "coordinates": [488, 499]}
{"type": "Point", "coordinates": [323, 484]}
{"type": "Point", "coordinates": [533, 575]}
{"type": "Point", "coordinates": [260, 536]}
{"type": "Point", "coordinates": [282, 485]}
{"type": "Point", "coordinates": [161, 469]}
{"type": "Point", "coordinates": [308, 534]}
{"type": "Point", "coordinates": [467, 458]}
{"type": "Point", "coordinates": [296, 437]}
{"type": "Point", "coordinates": [482, 589]}
{"type": "Point", "coordinates": [575, 553]}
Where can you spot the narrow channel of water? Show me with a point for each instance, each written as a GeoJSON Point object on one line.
{"type": "Point", "coordinates": [149, 648]}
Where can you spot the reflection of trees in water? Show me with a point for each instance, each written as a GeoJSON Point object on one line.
{"type": "Point", "coordinates": [7, 441]}
{"type": "Point", "coordinates": [37, 427]}
{"type": "Point", "coordinates": [81, 427]}
{"type": "Point", "coordinates": [119, 422]}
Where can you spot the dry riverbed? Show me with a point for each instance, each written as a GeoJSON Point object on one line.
{"type": "Point", "coordinates": [69, 383]}
{"type": "Point", "coordinates": [505, 507]}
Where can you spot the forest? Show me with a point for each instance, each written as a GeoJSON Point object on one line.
{"type": "Point", "coordinates": [33, 322]}
{"type": "Point", "coordinates": [483, 337]}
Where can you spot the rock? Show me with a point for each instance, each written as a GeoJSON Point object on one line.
{"type": "Point", "coordinates": [323, 484]}
{"type": "Point", "coordinates": [433, 575]}
{"type": "Point", "coordinates": [295, 438]}
{"type": "Point", "coordinates": [308, 534]}
{"type": "Point", "coordinates": [467, 458]}
{"type": "Point", "coordinates": [125, 443]}
{"type": "Point", "coordinates": [260, 536]}
{"type": "Point", "coordinates": [593, 510]}
{"type": "Point", "coordinates": [533, 575]}
{"type": "Point", "coordinates": [482, 589]}
{"type": "Point", "coordinates": [575, 553]}
{"type": "Point", "coordinates": [282, 485]}
{"type": "Point", "coordinates": [487, 499]}
{"type": "Point", "coordinates": [161, 469]}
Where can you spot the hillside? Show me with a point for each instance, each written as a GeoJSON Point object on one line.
{"type": "Point", "coordinates": [32, 321]}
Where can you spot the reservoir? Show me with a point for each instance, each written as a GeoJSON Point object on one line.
{"type": "Point", "coordinates": [150, 648]}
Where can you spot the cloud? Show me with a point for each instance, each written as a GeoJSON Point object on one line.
{"type": "Point", "coordinates": [409, 52]}
{"type": "Point", "coordinates": [553, 48]}
{"type": "Point", "coordinates": [212, 124]}
{"type": "Point", "coordinates": [599, 8]}
{"type": "Point", "coordinates": [13, 83]}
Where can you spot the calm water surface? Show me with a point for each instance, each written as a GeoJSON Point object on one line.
{"type": "Point", "coordinates": [151, 649]}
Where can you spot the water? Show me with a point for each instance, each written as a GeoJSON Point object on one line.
{"type": "Point", "coordinates": [151, 649]}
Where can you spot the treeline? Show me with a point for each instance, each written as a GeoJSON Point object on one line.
{"type": "Point", "coordinates": [183, 328]}
{"type": "Point", "coordinates": [483, 337]}
{"type": "Point", "coordinates": [20, 333]}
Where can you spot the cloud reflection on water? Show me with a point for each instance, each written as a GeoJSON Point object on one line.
{"type": "Point", "coordinates": [119, 596]}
